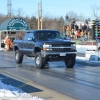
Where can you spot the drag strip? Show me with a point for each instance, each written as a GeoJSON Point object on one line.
{"type": "Point", "coordinates": [81, 83]}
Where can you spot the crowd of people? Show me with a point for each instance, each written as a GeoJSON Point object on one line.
{"type": "Point", "coordinates": [75, 31]}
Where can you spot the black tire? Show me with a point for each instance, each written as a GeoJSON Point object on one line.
{"type": "Point", "coordinates": [70, 62]}
{"type": "Point", "coordinates": [99, 54]}
{"type": "Point", "coordinates": [18, 57]}
{"type": "Point", "coordinates": [39, 61]}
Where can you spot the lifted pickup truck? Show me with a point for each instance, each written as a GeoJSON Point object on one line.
{"type": "Point", "coordinates": [45, 45]}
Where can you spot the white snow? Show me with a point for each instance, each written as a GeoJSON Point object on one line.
{"type": "Point", "coordinates": [8, 92]}
{"type": "Point", "coordinates": [84, 59]}
{"type": "Point", "coordinates": [83, 48]}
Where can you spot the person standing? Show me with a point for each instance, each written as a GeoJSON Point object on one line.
{"type": "Point", "coordinates": [68, 30]}
{"type": "Point", "coordinates": [8, 43]}
{"type": "Point", "coordinates": [82, 35]}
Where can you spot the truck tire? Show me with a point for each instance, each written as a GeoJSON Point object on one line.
{"type": "Point", "coordinates": [39, 61]}
{"type": "Point", "coordinates": [70, 62]}
{"type": "Point", "coordinates": [18, 57]}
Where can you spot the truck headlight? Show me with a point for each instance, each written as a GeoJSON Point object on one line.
{"type": "Point", "coordinates": [47, 47]}
{"type": "Point", "coordinates": [73, 46]}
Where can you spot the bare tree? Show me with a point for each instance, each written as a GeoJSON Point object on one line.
{"type": "Point", "coordinates": [33, 23]}
{"type": "Point", "coordinates": [70, 15]}
{"type": "Point", "coordinates": [81, 18]}
{"type": "Point", "coordinates": [95, 10]}
{"type": "Point", "coordinates": [19, 12]}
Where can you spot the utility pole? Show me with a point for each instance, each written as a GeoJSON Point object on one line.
{"type": "Point", "coordinates": [40, 15]}
{"type": "Point", "coordinates": [9, 8]}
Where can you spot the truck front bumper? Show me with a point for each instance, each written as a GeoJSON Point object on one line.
{"type": "Point", "coordinates": [47, 54]}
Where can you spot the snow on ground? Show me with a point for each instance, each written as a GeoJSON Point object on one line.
{"type": "Point", "coordinates": [84, 59]}
{"type": "Point", "coordinates": [8, 92]}
{"type": "Point", "coordinates": [83, 48]}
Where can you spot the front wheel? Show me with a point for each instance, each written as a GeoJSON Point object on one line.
{"type": "Point", "coordinates": [39, 61]}
{"type": "Point", "coordinates": [70, 62]}
{"type": "Point", "coordinates": [18, 57]}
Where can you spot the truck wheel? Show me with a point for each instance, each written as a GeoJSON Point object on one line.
{"type": "Point", "coordinates": [18, 57]}
{"type": "Point", "coordinates": [39, 61]}
{"type": "Point", "coordinates": [70, 62]}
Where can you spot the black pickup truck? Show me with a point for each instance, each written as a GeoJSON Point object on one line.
{"type": "Point", "coordinates": [45, 45]}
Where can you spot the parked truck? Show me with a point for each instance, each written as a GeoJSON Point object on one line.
{"type": "Point", "coordinates": [45, 46]}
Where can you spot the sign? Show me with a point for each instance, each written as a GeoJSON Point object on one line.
{"type": "Point", "coordinates": [17, 24]}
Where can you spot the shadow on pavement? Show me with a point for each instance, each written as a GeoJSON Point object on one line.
{"type": "Point", "coordinates": [23, 86]}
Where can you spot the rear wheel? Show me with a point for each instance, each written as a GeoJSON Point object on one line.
{"type": "Point", "coordinates": [18, 57]}
{"type": "Point", "coordinates": [39, 61]}
{"type": "Point", "coordinates": [70, 62]}
{"type": "Point", "coordinates": [99, 54]}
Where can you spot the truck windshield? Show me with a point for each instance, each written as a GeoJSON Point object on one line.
{"type": "Point", "coordinates": [49, 35]}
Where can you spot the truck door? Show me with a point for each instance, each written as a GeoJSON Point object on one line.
{"type": "Point", "coordinates": [25, 43]}
{"type": "Point", "coordinates": [30, 44]}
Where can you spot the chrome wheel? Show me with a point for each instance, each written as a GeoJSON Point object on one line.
{"type": "Point", "coordinates": [37, 60]}
{"type": "Point", "coordinates": [17, 56]}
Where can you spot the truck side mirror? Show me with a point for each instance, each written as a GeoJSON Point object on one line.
{"type": "Point", "coordinates": [30, 39]}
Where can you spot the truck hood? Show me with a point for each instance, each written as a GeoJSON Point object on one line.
{"type": "Point", "coordinates": [55, 41]}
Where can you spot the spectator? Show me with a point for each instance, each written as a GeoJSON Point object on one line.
{"type": "Point", "coordinates": [67, 37]}
{"type": "Point", "coordinates": [73, 23]}
{"type": "Point", "coordinates": [84, 28]}
{"type": "Point", "coordinates": [8, 43]}
{"type": "Point", "coordinates": [76, 27]}
{"type": "Point", "coordinates": [88, 35]}
{"type": "Point", "coordinates": [75, 34]}
{"type": "Point", "coordinates": [72, 34]}
{"type": "Point", "coordinates": [68, 30]}
{"type": "Point", "coordinates": [86, 31]}
{"type": "Point", "coordinates": [78, 34]}
{"type": "Point", "coordinates": [80, 27]}
{"type": "Point", "coordinates": [82, 35]}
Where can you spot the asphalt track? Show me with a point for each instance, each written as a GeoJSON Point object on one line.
{"type": "Point", "coordinates": [55, 82]}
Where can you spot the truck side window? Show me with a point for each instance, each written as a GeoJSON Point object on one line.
{"type": "Point", "coordinates": [31, 35]}
{"type": "Point", "coordinates": [26, 36]}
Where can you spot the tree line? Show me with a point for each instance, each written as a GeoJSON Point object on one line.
{"type": "Point", "coordinates": [47, 21]}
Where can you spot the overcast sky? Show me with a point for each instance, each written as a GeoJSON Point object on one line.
{"type": "Point", "coordinates": [54, 8]}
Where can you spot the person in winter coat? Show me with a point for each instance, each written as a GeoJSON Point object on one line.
{"type": "Point", "coordinates": [8, 43]}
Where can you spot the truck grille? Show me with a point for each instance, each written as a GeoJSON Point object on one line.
{"type": "Point", "coordinates": [61, 47]}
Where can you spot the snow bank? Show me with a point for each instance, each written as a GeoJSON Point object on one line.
{"type": "Point", "coordinates": [13, 93]}
{"type": "Point", "coordinates": [83, 48]}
